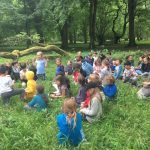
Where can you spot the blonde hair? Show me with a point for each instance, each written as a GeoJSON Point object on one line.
{"type": "Point", "coordinates": [109, 79]}
{"type": "Point", "coordinates": [94, 78]}
{"type": "Point", "coordinates": [69, 107]}
{"type": "Point", "coordinates": [39, 53]}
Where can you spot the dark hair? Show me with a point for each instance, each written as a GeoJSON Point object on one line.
{"type": "Point", "coordinates": [14, 63]}
{"type": "Point", "coordinates": [40, 90]}
{"type": "Point", "coordinates": [128, 63]}
{"type": "Point", "coordinates": [63, 80]}
{"type": "Point", "coordinates": [127, 57]}
{"type": "Point", "coordinates": [23, 66]}
{"type": "Point", "coordinates": [76, 66]}
{"type": "Point", "coordinates": [79, 58]}
{"type": "Point", "coordinates": [81, 79]}
{"type": "Point", "coordinates": [91, 85]}
{"type": "Point", "coordinates": [3, 69]}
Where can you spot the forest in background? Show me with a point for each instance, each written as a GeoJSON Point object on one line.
{"type": "Point", "coordinates": [92, 22]}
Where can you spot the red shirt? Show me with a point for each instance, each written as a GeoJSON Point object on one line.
{"type": "Point", "coordinates": [87, 100]}
{"type": "Point", "coordinates": [75, 75]}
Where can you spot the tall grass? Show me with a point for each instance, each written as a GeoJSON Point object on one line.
{"type": "Point", "coordinates": [125, 124]}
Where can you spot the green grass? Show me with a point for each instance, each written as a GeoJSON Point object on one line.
{"type": "Point", "coordinates": [125, 124]}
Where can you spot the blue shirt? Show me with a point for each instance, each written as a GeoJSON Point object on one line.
{"type": "Point", "coordinates": [38, 102]}
{"type": "Point", "coordinates": [87, 68]}
{"type": "Point", "coordinates": [118, 72]}
{"type": "Point", "coordinates": [60, 70]}
{"type": "Point", "coordinates": [40, 66]}
{"type": "Point", "coordinates": [110, 90]}
{"type": "Point", "coordinates": [67, 132]}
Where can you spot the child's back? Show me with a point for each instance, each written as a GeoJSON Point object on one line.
{"type": "Point", "coordinates": [67, 131]}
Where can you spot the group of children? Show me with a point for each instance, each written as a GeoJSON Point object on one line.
{"type": "Point", "coordinates": [94, 74]}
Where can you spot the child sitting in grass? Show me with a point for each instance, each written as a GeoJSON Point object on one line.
{"type": "Point", "coordinates": [129, 59]}
{"type": "Point", "coordinates": [15, 72]}
{"type": "Point", "coordinates": [69, 124]}
{"type": "Point", "coordinates": [41, 63]}
{"type": "Point", "coordinates": [97, 66]}
{"type": "Point", "coordinates": [82, 90]}
{"type": "Point", "coordinates": [109, 88]}
{"type": "Point", "coordinates": [144, 92]}
{"type": "Point", "coordinates": [145, 67]}
{"type": "Point", "coordinates": [69, 68]}
{"type": "Point", "coordinates": [94, 109]}
{"type": "Point", "coordinates": [30, 90]}
{"type": "Point", "coordinates": [76, 72]}
{"type": "Point", "coordinates": [6, 86]}
{"type": "Point", "coordinates": [39, 101]}
{"type": "Point", "coordinates": [23, 74]}
{"type": "Point", "coordinates": [60, 67]}
{"type": "Point", "coordinates": [105, 69]}
{"type": "Point", "coordinates": [63, 85]}
{"type": "Point", "coordinates": [129, 74]}
{"type": "Point", "coordinates": [93, 78]}
{"type": "Point", "coordinates": [118, 69]}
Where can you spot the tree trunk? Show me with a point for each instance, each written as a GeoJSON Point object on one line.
{"type": "Point", "coordinates": [131, 11]}
{"type": "Point", "coordinates": [74, 37]}
{"type": "Point", "coordinates": [38, 27]}
{"type": "Point", "coordinates": [17, 53]}
{"type": "Point", "coordinates": [85, 34]}
{"type": "Point", "coordinates": [93, 10]}
{"type": "Point", "coordinates": [64, 35]}
{"type": "Point", "coordinates": [27, 26]}
{"type": "Point", "coordinates": [70, 38]}
{"type": "Point", "coordinates": [101, 39]}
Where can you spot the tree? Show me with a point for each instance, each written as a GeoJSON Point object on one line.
{"type": "Point", "coordinates": [92, 22]}
{"type": "Point", "coordinates": [131, 11]}
{"type": "Point", "coordinates": [121, 9]}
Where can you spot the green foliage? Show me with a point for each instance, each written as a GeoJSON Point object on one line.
{"type": "Point", "coordinates": [124, 124]}
{"type": "Point", "coordinates": [21, 39]}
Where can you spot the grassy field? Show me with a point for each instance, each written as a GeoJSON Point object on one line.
{"type": "Point", "coordinates": [125, 124]}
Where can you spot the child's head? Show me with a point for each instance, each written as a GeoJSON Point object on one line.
{"type": "Point", "coordinates": [79, 59]}
{"type": "Point", "coordinates": [69, 62]}
{"type": "Point", "coordinates": [105, 63]}
{"type": "Point", "coordinates": [8, 64]}
{"type": "Point", "coordinates": [118, 62]}
{"type": "Point", "coordinates": [81, 79]}
{"type": "Point", "coordinates": [59, 80]}
{"type": "Point", "coordinates": [40, 89]}
{"type": "Point", "coordinates": [15, 64]}
{"type": "Point", "coordinates": [127, 65]}
{"type": "Point", "coordinates": [98, 62]}
{"type": "Point", "coordinates": [69, 108]}
{"type": "Point", "coordinates": [23, 66]}
{"type": "Point", "coordinates": [3, 70]}
{"type": "Point", "coordinates": [94, 78]}
{"type": "Point", "coordinates": [146, 60]}
{"type": "Point", "coordinates": [114, 62]}
{"type": "Point", "coordinates": [141, 58]}
{"type": "Point", "coordinates": [79, 53]}
{"type": "Point", "coordinates": [109, 80]}
{"type": "Point", "coordinates": [58, 61]}
{"type": "Point", "coordinates": [129, 58]}
{"type": "Point", "coordinates": [39, 55]}
{"type": "Point", "coordinates": [95, 54]}
{"type": "Point", "coordinates": [92, 89]}
{"type": "Point", "coordinates": [29, 75]}
{"type": "Point", "coordinates": [76, 67]}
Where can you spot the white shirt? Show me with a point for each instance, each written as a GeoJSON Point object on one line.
{"type": "Point", "coordinates": [6, 84]}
